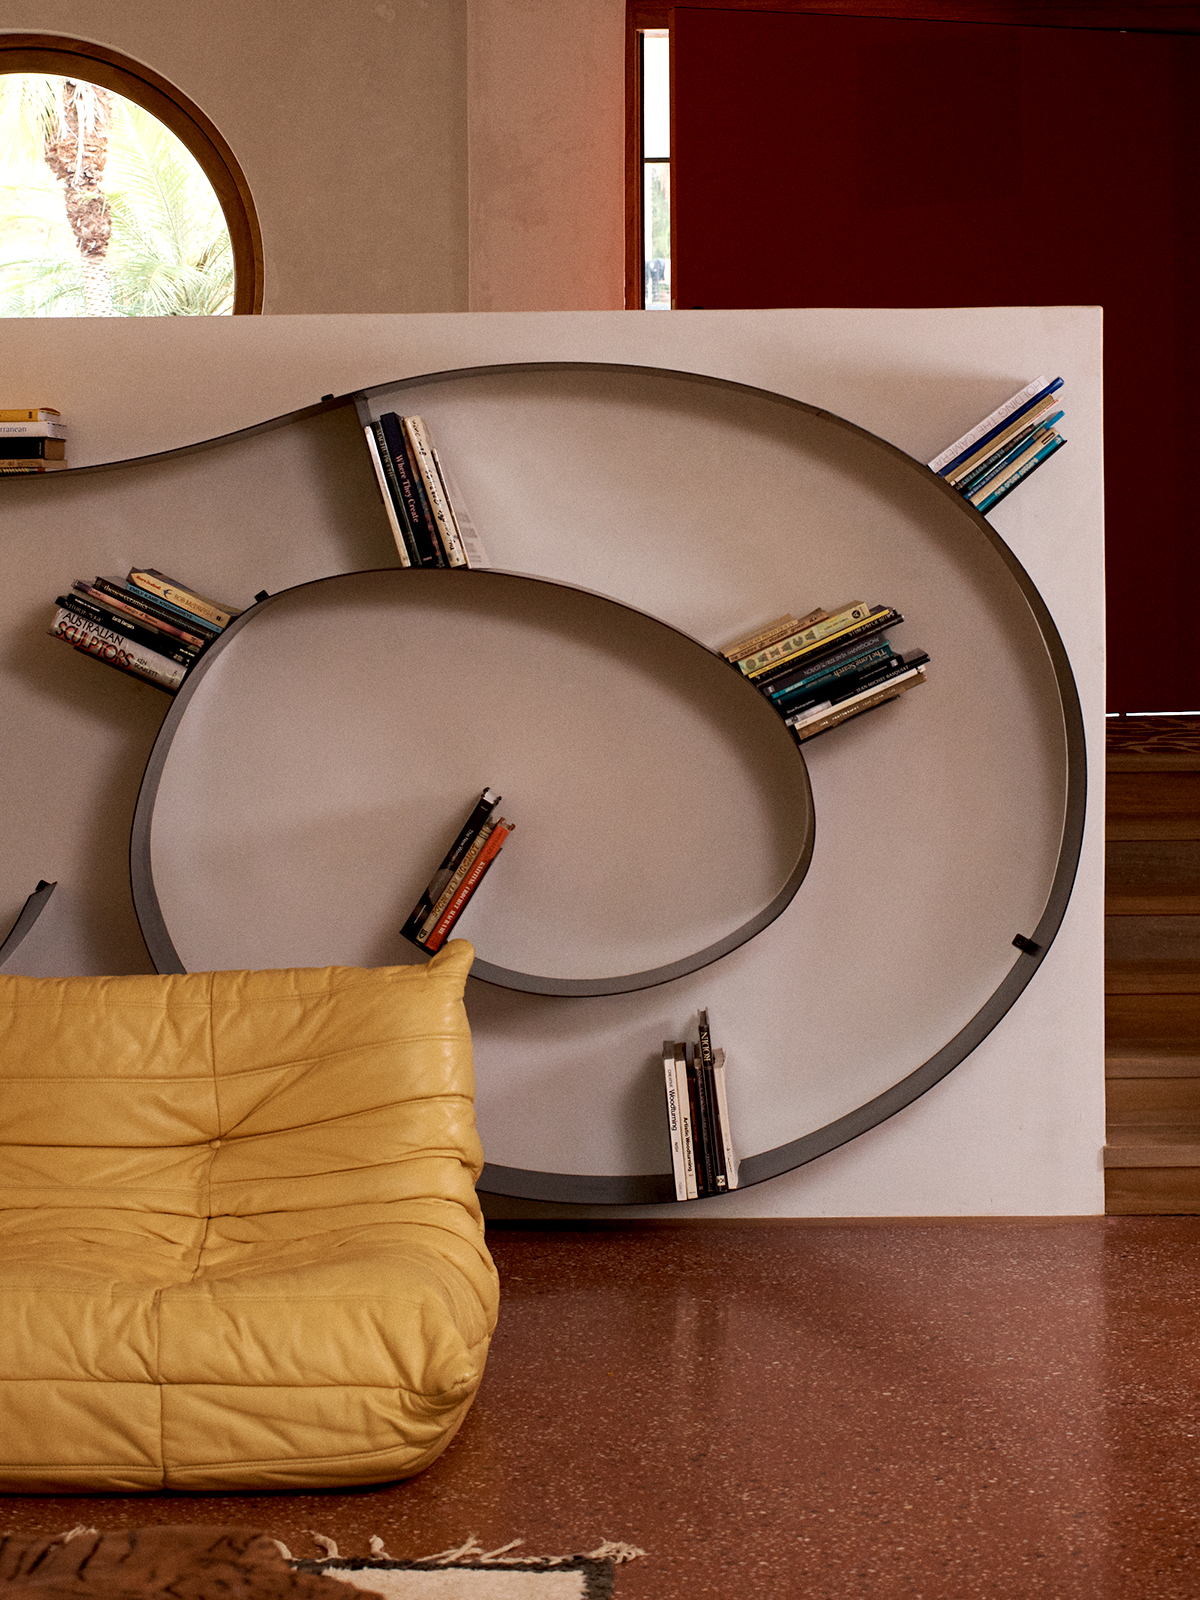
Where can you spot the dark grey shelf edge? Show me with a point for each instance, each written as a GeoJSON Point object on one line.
{"type": "Point", "coordinates": [145, 897]}
{"type": "Point", "coordinates": [34, 905]}
{"type": "Point", "coordinates": [571, 1189]}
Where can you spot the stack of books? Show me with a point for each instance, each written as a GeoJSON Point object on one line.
{"type": "Point", "coordinates": [462, 871]}
{"type": "Point", "coordinates": [32, 439]}
{"type": "Point", "coordinates": [821, 670]}
{"type": "Point", "coordinates": [430, 529]}
{"type": "Point", "coordinates": [702, 1157]}
{"type": "Point", "coordinates": [147, 625]}
{"type": "Point", "coordinates": [1001, 451]}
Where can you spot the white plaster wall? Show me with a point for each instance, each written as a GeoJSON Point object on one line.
{"type": "Point", "coordinates": [1018, 1128]}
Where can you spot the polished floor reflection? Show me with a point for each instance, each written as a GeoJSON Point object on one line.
{"type": "Point", "coordinates": [934, 1408]}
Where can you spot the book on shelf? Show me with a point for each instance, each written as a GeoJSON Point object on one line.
{"type": "Point", "coordinates": [991, 459]}
{"type": "Point", "coordinates": [428, 519]}
{"type": "Point", "coordinates": [823, 718]}
{"type": "Point", "coordinates": [27, 466]}
{"type": "Point", "coordinates": [116, 650]}
{"type": "Point", "coordinates": [35, 449]}
{"type": "Point", "coordinates": [831, 670]}
{"type": "Point", "coordinates": [27, 428]}
{"type": "Point", "coordinates": [87, 609]}
{"type": "Point", "coordinates": [702, 1159]}
{"type": "Point", "coordinates": [769, 634]}
{"type": "Point", "coordinates": [136, 630]}
{"type": "Point", "coordinates": [462, 869]}
{"type": "Point", "coordinates": [30, 414]}
{"type": "Point", "coordinates": [176, 594]}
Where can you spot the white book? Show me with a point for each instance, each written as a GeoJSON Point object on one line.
{"type": "Point", "coordinates": [422, 448]}
{"type": "Point", "coordinates": [116, 648]}
{"type": "Point", "coordinates": [731, 1166]}
{"type": "Point", "coordinates": [988, 423]}
{"type": "Point", "coordinates": [674, 1124]}
{"type": "Point", "coordinates": [33, 430]}
{"type": "Point", "coordinates": [477, 556]}
{"type": "Point", "coordinates": [387, 497]}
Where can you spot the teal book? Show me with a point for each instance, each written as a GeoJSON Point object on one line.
{"type": "Point", "coordinates": [1010, 483]}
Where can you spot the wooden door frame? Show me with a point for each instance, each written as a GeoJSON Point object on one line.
{"type": "Point", "coordinates": [1129, 17]}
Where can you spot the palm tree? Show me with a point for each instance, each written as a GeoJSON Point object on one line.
{"type": "Point", "coordinates": [104, 212]}
{"type": "Point", "coordinates": [70, 123]}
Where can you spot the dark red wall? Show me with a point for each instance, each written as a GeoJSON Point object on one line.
{"type": "Point", "coordinates": [863, 161]}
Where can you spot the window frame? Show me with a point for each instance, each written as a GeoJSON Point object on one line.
{"type": "Point", "coordinates": [58, 56]}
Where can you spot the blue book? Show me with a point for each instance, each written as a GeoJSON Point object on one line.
{"type": "Point", "coordinates": [1016, 447]}
{"type": "Point", "coordinates": [1005, 422]}
{"type": "Point", "coordinates": [1010, 483]}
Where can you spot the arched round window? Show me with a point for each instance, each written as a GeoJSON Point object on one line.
{"type": "Point", "coordinates": [118, 197]}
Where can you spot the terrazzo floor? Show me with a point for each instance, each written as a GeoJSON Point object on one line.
{"type": "Point", "coordinates": [938, 1409]}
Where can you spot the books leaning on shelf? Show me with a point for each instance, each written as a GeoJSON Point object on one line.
{"type": "Point", "coordinates": [829, 667]}
{"type": "Point", "coordinates": [462, 870]}
{"type": "Point", "coordinates": [148, 625]}
{"type": "Point", "coordinates": [33, 439]}
{"type": "Point", "coordinates": [431, 528]}
{"type": "Point", "coordinates": [702, 1158]}
{"type": "Point", "coordinates": [1000, 452]}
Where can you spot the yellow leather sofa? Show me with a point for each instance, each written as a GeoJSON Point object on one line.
{"type": "Point", "coordinates": [239, 1240]}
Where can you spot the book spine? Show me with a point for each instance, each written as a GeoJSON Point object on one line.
{"type": "Point", "coordinates": [799, 677]}
{"type": "Point", "coordinates": [815, 687]}
{"type": "Point", "coordinates": [140, 604]}
{"type": "Point", "coordinates": [674, 1125]}
{"type": "Point", "coordinates": [15, 467]}
{"type": "Point", "coordinates": [869, 681]}
{"type": "Point", "coordinates": [979, 486]}
{"type": "Point", "coordinates": [1015, 416]}
{"type": "Point", "coordinates": [691, 1177]}
{"type": "Point", "coordinates": [470, 883]}
{"type": "Point", "coordinates": [412, 493]}
{"type": "Point", "coordinates": [1019, 476]}
{"type": "Point", "coordinates": [418, 438]}
{"type": "Point", "coordinates": [731, 1166]}
{"type": "Point", "coordinates": [972, 439]}
{"type": "Point", "coordinates": [781, 628]}
{"type": "Point", "coordinates": [716, 1141]}
{"type": "Point", "coordinates": [484, 806]}
{"type": "Point", "coordinates": [820, 652]}
{"type": "Point", "coordinates": [32, 448]}
{"type": "Point", "coordinates": [473, 851]}
{"type": "Point", "coordinates": [116, 650]}
{"type": "Point", "coordinates": [187, 602]}
{"type": "Point", "coordinates": [477, 556]}
{"type": "Point", "coordinates": [31, 430]}
{"type": "Point", "coordinates": [389, 503]}
{"type": "Point", "coordinates": [1042, 415]}
{"type": "Point", "coordinates": [30, 414]}
{"type": "Point", "coordinates": [851, 708]}
{"type": "Point", "coordinates": [701, 1134]}
{"type": "Point", "coordinates": [90, 611]}
{"type": "Point", "coordinates": [806, 637]}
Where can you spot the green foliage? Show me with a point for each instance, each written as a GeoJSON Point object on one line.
{"type": "Point", "coordinates": [170, 253]}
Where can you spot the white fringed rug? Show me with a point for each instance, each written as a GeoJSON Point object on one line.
{"type": "Point", "coordinates": [471, 1573]}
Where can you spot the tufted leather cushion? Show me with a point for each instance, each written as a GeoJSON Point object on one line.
{"type": "Point", "coordinates": [239, 1240]}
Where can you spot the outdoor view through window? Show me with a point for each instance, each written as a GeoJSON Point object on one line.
{"type": "Point", "coordinates": [103, 211]}
{"type": "Point", "coordinates": [656, 170]}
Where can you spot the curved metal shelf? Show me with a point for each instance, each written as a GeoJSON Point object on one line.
{"type": "Point", "coordinates": [653, 1188]}
{"type": "Point", "coordinates": [145, 896]}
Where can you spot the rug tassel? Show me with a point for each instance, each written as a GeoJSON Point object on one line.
{"type": "Point", "coordinates": [329, 1545]}
{"type": "Point", "coordinates": [79, 1531]}
{"type": "Point", "coordinates": [283, 1549]}
{"type": "Point", "coordinates": [378, 1548]}
{"type": "Point", "coordinates": [613, 1550]}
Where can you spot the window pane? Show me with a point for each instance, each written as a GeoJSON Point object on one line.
{"type": "Point", "coordinates": [656, 209]}
{"type": "Point", "coordinates": [103, 211]}
{"type": "Point", "coordinates": [656, 95]}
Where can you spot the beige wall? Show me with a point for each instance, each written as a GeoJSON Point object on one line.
{"type": "Point", "coordinates": [350, 119]}
{"type": "Point", "coordinates": [546, 93]}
